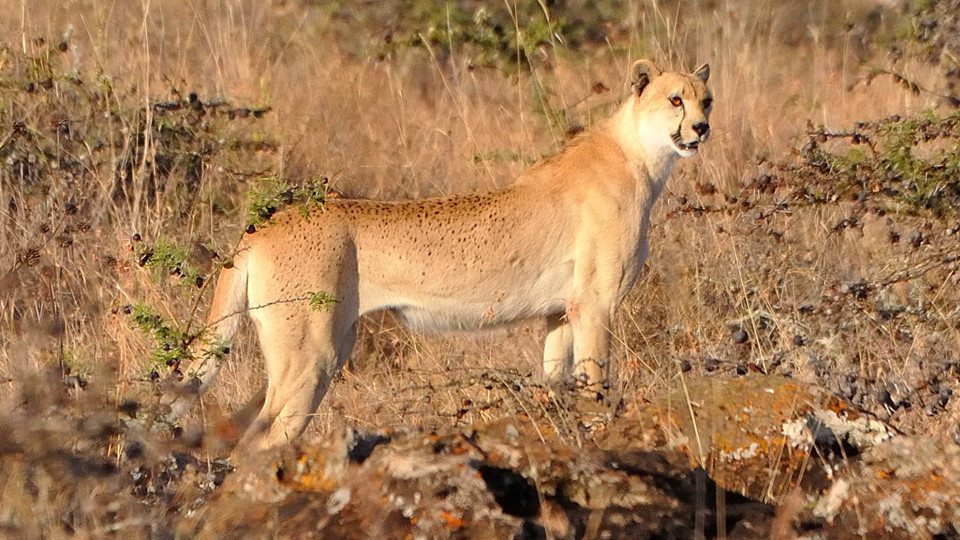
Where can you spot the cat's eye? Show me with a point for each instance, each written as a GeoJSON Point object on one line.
{"type": "Point", "coordinates": [676, 101]}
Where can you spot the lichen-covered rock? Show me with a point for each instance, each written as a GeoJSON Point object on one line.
{"type": "Point", "coordinates": [761, 436]}
{"type": "Point", "coordinates": [772, 437]}
{"type": "Point", "coordinates": [907, 488]}
{"type": "Point", "coordinates": [511, 479]}
{"type": "Point", "coordinates": [753, 457]}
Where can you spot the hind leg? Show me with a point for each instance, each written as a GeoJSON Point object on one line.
{"type": "Point", "coordinates": [180, 397]}
{"type": "Point", "coordinates": [300, 360]}
{"type": "Point", "coordinates": [211, 351]}
{"type": "Point", "coordinates": [303, 346]}
{"type": "Point", "coordinates": [287, 410]}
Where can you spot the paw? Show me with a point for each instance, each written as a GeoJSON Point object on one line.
{"type": "Point", "coordinates": [178, 398]}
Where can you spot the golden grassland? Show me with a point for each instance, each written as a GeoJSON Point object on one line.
{"type": "Point", "coordinates": [103, 141]}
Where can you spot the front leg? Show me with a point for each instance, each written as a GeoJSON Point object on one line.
{"type": "Point", "coordinates": [604, 268]}
{"type": "Point", "coordinates": [558, 348]}
{"type": "Point", "coordinates": [591, 343]}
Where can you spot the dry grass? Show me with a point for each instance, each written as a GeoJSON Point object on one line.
{"type": "Point", "coordinates": [394, 122]}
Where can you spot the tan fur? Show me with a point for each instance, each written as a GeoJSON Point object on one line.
{"type": "Point", "coordinates": [565, 242]}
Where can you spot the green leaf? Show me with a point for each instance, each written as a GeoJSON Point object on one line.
{"type": "Point", "coordinates": [321, 300]}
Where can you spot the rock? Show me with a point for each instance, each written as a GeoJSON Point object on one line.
{"type": "Point", "coordinates": [739, 336]}
{"type": "Point", "coordinates": [767, 453]}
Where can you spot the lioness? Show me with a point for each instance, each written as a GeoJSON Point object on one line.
{"type": "Point", "coordinates": [565, 242]}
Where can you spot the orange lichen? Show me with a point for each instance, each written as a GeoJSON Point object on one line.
{"type": "Point", "coordinates": [840, 407]}
{"type": "Point", "coordinates": [452, 521]}
{"type": "Point", "coordinates": [310, 475]}
{"type": "Point", "coordinates": [314, 481]}
{"type": "Point", "coordinates": [926, 484]}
